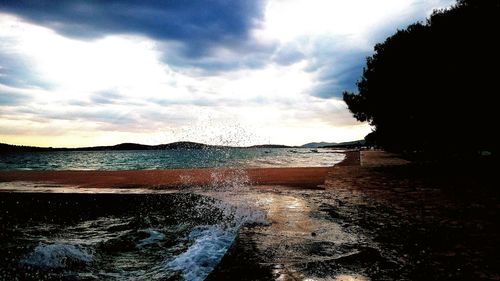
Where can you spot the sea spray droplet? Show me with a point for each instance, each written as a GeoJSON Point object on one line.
{"type": "Point", "coordinates": [229, 179]}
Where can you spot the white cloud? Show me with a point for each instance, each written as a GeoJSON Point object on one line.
{"type": "Point", "coordinates": [118, 88]}
{"type": "Point", "coordinates": [288, 20]}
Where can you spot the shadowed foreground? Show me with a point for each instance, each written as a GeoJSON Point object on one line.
{"type": "Point", "coordinates": [374, 217]}
{"type": "Point", "coordinates": [381, 218]}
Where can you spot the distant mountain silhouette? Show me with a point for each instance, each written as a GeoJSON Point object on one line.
{"type": "Point", "coordinates": [128, 146]}
{"type": "Point", "coordinates": [21, 148]}
{"type": "Point", "coordinates": [347, 144]}
{"type": "Point", "coordinates": [270, 146]}
{"type": "Point", "coordinates": [174, 145]}
{"type": "Point", "coordinates": [122, 146]}
{"type": "Point", "coordinates": [318, 144]}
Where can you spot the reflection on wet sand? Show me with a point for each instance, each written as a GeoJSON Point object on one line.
{"type": "Point", "coordinates": [49, 187]}
{"type": "Point", "coordinates": [295, 244]}
{"type": "Point", "coordinates": [297, 236]}
{"type": "Point", "coordinates": [346, 277]}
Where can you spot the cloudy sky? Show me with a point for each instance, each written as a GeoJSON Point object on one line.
{"type": "Point", "coordinates": [81, 73]}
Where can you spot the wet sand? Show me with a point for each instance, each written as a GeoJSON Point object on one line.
{"type": "Point", "coordinates": [378, 218]}
{"type": "Point", "coordinates": [174, 178]}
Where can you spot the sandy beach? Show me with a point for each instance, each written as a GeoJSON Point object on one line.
{"type": "Point", "coordinates": [174, 178]}
{"type": "Point", "coordinates": [307, 177]}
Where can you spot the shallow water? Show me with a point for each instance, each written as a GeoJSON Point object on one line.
{"type": "Point", "coordinates": [169, 159]}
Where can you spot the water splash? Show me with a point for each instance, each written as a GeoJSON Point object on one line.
{"type": "Point", "coordinates": [58, 256]}
{"type": "Point", "coordinates": [229, 179]}
{"type": "Point", "coordinates": [209, 244]}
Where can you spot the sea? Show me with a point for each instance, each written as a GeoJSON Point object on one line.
{"type": "Point", "coordinates": [170, 159]}
{"type": "Point", "coordinates": [157, 235]}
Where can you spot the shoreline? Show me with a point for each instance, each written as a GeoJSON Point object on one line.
{"type": "Point", "coordinates": [376, 217]}
{"type": "Point", "coordinates": [417, 223]}
{"type": "Point", "coordinates": [303, 177]}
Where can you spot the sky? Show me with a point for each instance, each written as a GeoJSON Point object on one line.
{"type": "Point", "coordinates": [238, 72]}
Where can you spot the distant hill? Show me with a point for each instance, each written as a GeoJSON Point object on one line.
{"type": "Point", "coordinates": [347, 144]}
{"type": "Point", "coordinates": [20, 148]}
{"type": "Point", "coordinates": [122, 146]}
{"type": "Point", "coordinates": [186, 145]}
{"type": "Point", "coordinates": [174, 145]}
{"type": "Point", "coordinates": [269, 146]}
{"type": "Point", "coordinates": [128, 146]}
{"type": "Point", "coordinates": [318, 144]}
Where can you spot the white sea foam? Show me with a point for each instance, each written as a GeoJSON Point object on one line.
{"type": "Point", "coordinates": [209, 245]}
{"type": "Point", "coordinates": [57, 256]}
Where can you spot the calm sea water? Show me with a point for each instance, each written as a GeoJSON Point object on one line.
{"type": "Point", "coordinates": [169, 159]}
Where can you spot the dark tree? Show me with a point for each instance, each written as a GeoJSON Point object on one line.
{"type": "Point", "coordinates": [432, 87]}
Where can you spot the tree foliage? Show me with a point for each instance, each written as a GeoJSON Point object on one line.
{"type": "Point", "coordinates": [432, 86]}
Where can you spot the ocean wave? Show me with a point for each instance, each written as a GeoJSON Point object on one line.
{"type": "Point", "coordinates": [209, 244]}
{"type": "Point", "coordinates": [154, 238]}
{"type": "Point", "coordinates": [58, 256]}
{"type": "Point", "coordinates": [186, 241]}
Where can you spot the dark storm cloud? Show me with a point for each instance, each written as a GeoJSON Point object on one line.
{"type": "Point", "coordinates": [288, 54]}
{"type": "Point", "coordinates": [191, 35]}
{"type": "Point", "coordinates": [249, 54]}
{"type": "Point", "coordinates": [213, 66]}
{"type": "Point", "coordinates": [198, 24]}
{"type": "Point", "coordinates": [337, 68]}
{"type": "Point", "coordinates": [336, 79]}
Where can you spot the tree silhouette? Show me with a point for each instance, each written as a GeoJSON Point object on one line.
{"type": "Point", "coordinates": [431, 87]}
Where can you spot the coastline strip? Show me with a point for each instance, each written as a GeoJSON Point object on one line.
{"type": "Point", "coordinates": [174, 178]}
{"type": "Point", "coordinates": [304, 177]}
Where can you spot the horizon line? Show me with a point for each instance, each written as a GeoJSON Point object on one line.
{"type": "Point", "coordinates": [175, 142]}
